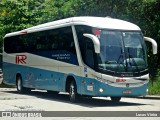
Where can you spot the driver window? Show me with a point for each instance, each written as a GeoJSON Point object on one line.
{"type": "Point", "coordinates": [86, 45]}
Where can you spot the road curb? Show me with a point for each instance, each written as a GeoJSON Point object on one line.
{"type": "Point", "coordinates": [151, 97]}
{"type": "Point", "coordinates": [148, 97]}
{"type": "Point", "coordinates": [3, 89]}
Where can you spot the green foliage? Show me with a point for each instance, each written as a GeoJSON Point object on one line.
{"type": "Point", "coordinates": [18, 14]}
{"type": "Point", "coordinates": [55, 10]}
{"type": "Point", "coordinates": [154, 88]}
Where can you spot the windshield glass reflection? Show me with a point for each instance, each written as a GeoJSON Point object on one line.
{"type": "Point", "coordinates": [121, 51]}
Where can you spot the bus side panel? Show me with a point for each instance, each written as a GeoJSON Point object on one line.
{"type": "Point", "coordinates": [87, 82]}
{"type": "Point", "coordinates": [31, 77]}
{"type": "Point", "coordinates": [9, 71]}
{"type": "Point", "coordinates": [43, 79]}
{"type": "Point", "coordinates": [65, 71]}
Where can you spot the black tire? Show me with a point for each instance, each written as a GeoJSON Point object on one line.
{"type": "Point", "coordinates": [19, 86]}
{"type": "Point", "coordinates": [115, 99]}
{"type": "Point", "coordinates": [73, 92]}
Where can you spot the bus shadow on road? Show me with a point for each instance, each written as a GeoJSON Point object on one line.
{"type": "Point", "coordinates": [83, 101]}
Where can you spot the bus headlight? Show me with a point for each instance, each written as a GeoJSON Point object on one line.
{"type": "Point", "coordinates": [101, 90]}
{"type": "Point", "coordinates": [147, 91]}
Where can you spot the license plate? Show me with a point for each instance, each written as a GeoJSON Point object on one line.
{"type": "Point", "coordinates": [127, 92]}
{"type": "Point", "coordinates": [90, 88]}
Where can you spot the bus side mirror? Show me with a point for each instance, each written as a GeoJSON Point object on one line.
{"type": "Point", "coordinates": [95, 42]}
{"type": "Point", "coordinates": [154, 44]}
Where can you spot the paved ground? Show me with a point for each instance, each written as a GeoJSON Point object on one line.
{"type": "Point", "coordinates": [37, 100]}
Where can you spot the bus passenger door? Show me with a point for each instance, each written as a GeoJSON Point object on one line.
{"type": "Point", "coordinates": [88, 83]}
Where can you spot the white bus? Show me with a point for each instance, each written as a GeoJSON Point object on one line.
{"type": "Point", "coordinates": [84, 56]}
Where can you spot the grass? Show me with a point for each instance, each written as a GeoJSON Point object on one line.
{"type": "Point", "coordinates": [154, 88]}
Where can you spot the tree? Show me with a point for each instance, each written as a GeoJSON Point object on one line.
{"type": "Point", "coordinates": [55, 10]}
{"type": "Point", "coordinates": [19, 14]}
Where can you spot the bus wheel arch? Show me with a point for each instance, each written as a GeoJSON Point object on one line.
{"type": "Point", "coordinates": [19, 84]}
{"type": "Point", "coordinates": [71, 88]}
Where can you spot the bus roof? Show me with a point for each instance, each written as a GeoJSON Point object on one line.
{"type": "Point", "coordinates": [98, 22]}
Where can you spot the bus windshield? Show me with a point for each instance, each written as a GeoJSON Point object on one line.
{"type": "Point", "coordinates": [121, 51]}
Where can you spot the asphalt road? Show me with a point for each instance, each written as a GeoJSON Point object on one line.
{"type": "Point", "coordinates": [38, 100]}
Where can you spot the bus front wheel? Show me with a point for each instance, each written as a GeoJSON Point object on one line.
{"type": "Point", "coordinates": [73, 92]}
{"type": "Point", "coordinates": [115, 99]}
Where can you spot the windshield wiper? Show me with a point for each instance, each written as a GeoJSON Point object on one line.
{"type": "Point", "coordinates": [110, 62]}
{"type": "Point", "coordinates": [121, 56]}
{"type": "Point", "coordinates": [130, 57]}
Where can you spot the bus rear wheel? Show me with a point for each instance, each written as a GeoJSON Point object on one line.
{"type": "Point", "coordinates": [115, 99]}
{"type": "Point", "coordinates": [20, 87]}
{"type": "Point", "coordinates": [73, 92]}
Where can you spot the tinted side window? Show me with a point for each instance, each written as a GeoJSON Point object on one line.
{"type": "Point", "coordinates": [61, 43]}
{"type": "Point", "coordinates": [56, 39]}
{"type": "Point", "coordinates": [61, 39]}
{"type": "Point", "coordinates": [9, 45]}
{"type": "Point", "coordinates": [15, 44]}
{"type": "Point", "coordinates": [55, 44]}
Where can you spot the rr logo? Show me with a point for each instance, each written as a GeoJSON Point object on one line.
{"type": "Point", "coordinates": [21, 59]}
